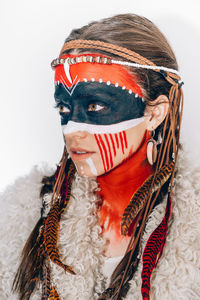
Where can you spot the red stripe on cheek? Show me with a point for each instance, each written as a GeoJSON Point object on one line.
{"type": "Point", "coordinates": [113, 144]}
{"type": "Point", "coordinates": [104, 149]}
{"type": "Point", "coordinates": [122, 143]}
{"type": "Point", "coordinates": [125, 139]}
{"type": "Point", "coordinates": [101, 152]}
{"type": "Point", "coordinates": [117, 141]}
{"type": "Point", "coordinates": [107, 141]}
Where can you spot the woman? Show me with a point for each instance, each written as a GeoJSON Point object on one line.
{"type": "Point", "coordinates": [106, 210]}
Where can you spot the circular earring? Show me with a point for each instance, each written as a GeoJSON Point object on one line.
{"type": "Point", "coordinates": [152, 149]}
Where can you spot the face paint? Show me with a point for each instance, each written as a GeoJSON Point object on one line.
{"type": "Point", "coordinates": [99, 104]}
{"type": "Point", "coordinates": [108, 144]}
{"type": "Point", "coordinates": [71, 73]}
{"type": "Point", "coordinates": [72, 127]}
{"type": "Point", "coordinates": [81, 168]}
{"type": "Point", "coordinates": [98, 115]}
{"type": "Point", "coordinates": [92, 166]}
{"type": "Point", "coordinates": [102, 151]}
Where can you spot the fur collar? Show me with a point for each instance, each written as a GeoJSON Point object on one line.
{"type": "Point", "coordinates": [177, 275]}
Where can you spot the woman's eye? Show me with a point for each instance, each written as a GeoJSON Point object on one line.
{"type": "Point", "coordinates": [95, 107]}
{"type": "Point", "coordinates": [63, 109]}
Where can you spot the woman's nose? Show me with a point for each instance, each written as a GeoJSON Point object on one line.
{"type": "Point", "coordinates": [76, 135]}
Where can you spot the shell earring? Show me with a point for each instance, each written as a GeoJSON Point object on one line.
{"type": "Point", "coordinates": [152, 149]}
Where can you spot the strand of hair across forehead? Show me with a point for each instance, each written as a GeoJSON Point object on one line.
{"type": "Point", "coordinates": [116, 50]}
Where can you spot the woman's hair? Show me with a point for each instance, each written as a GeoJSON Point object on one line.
{"type": "Point", "coordinates": [140, 35]}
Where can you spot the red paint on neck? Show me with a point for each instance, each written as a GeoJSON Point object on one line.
{"type": "Point", "coordinates": [118, 186]}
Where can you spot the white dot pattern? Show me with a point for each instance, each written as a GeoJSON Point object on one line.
{"type": "Point", "coordinates": [109, 83]}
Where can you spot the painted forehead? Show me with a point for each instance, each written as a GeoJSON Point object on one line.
{"type": "Point", "coordinates": [110, 86]}
{"type": "Point", "coordinates": [70, 74]}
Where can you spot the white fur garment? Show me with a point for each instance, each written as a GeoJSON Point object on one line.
{"type": "Point", "coordinates": [177, 275]}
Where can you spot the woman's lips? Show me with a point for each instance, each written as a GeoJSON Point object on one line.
{"type": "Point", "coordinates": [80, 153]}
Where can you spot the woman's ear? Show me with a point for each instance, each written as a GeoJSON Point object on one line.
{"type": "Point", "coordinates": [156, 114]}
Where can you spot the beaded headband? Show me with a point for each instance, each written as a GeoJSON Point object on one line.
{"type": "Point", "coordinates": [133, 59]}
{"type": "Point", "coordinates": [108, 61]}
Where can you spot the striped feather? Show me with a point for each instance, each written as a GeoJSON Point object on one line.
{"type": "Point", "coordinates": [140, 197]}
{"type": "Point", "coordinates": [153, 250]}
{"type": "Point", "coordinates": [53, 294]}
{"type": "Point", "coordinates": [38, 263]}
{"type": "Point", "coordinates": [52, 222]}
{"type": "Point", "coordinates": [46, 281]}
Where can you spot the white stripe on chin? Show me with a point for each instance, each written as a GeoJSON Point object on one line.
{"type": "Point", "coordinates": [92, 166]}
{"type": "Point", "coordinates": [72, 127]}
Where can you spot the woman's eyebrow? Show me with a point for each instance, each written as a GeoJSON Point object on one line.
{"type": "Point", "coordinates": [94, 91]}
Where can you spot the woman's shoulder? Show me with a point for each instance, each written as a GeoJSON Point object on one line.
{"type": "Point", "coordinates": [179, 267]}
{"type": "Point", "coordinates": [24, 193]}
{"type": "Point", "coordinates": [177, 275]}
{"type": "Point", "coordinates": [21, 204]}
{"type": "Point", "coordinates": [187, 187]}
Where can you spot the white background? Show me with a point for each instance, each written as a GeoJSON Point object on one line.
{"type": "Point", "coordinates": [32, 33]}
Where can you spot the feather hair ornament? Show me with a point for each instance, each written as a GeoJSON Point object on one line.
{"type": "Point", "coordinates": [53, 294]}
{"type": "Point", "coordinates": [51, 225]}
{"type": "Point", "coordinates": [153, 250]}
{"type": "Point", "coordinates": [30, 272]}
{"type": "Point", "coordinates": [42, 243]}
{"type": "Point", "coordinates": [51, 236]}
{"type": "Point", "coordinates": [140, 197]}
{"type": "Point", "coordinates": [46, 281]}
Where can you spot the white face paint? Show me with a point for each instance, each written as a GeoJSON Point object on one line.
{"type": "Point", "coordinates": [92, 166]}
{"type": "Point", "coordinates": [82, 170]}
{"type": "Point", "coordinates": [96, 153]}
{"type": "Point", "coordinates": [72, 127]}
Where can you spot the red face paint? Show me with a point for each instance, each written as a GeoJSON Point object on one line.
{"type": "Point", "coordinates": [109, 147]}
{"type": "Point", "coordinates": [101, 151]}
{"type": "Point", "coordinates": [122, 143]}
{"type": "Point", "coordinates": [125, 139]}
{"type": "Point", "coordinates": [104, 151]}
{"type": "Point", "coordinates": [117, 141]}
{"type": "Point", "coordinates": [70, 75]}
{"type": "Point", "coordinates": [113, 144]}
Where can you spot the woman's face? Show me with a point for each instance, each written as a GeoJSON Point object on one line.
{"type": "Point", "coordinates": [102, 125]}
{"type": "Point", "coordinates": [102, 113]}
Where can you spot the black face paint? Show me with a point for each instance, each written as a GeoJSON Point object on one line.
{"type": "Point", "coordinates": [98, 103]}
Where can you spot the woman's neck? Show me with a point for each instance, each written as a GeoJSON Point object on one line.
{"type": "Point", "coordinates": [118, 186]}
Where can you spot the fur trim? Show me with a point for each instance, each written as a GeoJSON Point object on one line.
{"type": "Point", "coordinates": [80, 245]}
{"type": "Point", "coordinates": [177, 275]}
{"type": "Point", "coordinates": [21, 205]}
